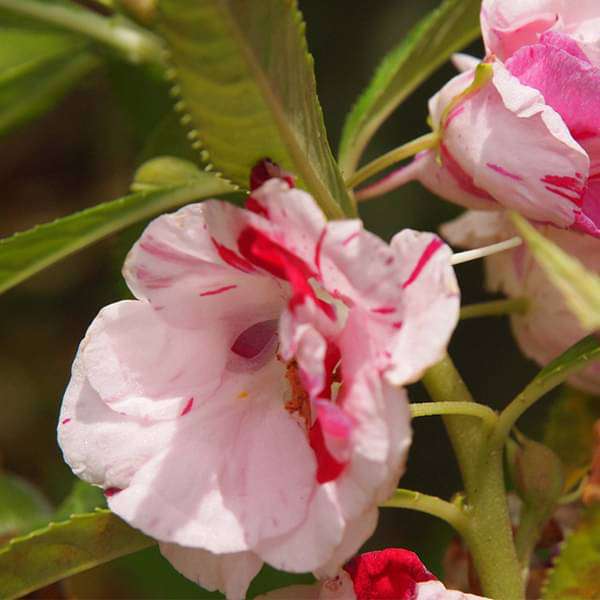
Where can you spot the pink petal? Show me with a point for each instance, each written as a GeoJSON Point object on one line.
{"type": "Point", "coordinates": [507, 25]}
{"type": "Point", "coordinates": [464, 62]}
{"type": "Point", "coordinates": [494, 138]}
{"type": "Point", "coordinates": [569, 84]}
{"type": "Point", "coordinates": [101, 446]}
{"type": "Point", "coordinates": [431, 303]}
{"type": "Point", "coordinates": [435, 590]}
{"type": "Point", "coordinates": [239, 470]}
{"type": "Point", "coordinates": [296, 222]}
{"type": "Point", "coordinates": [227, 573]}
{"type": "Point", "coordinates": [187, 265]}
{"type": "Point", "coordinates": [312, 543]}
{"type": "Point", "coordinates": [142, 367]}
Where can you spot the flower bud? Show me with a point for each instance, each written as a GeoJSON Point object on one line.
{"type": "Point", "coordinates": [538, 473]}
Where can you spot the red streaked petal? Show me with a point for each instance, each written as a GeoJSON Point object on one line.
{"type": "Point", "coordinates": [431, 249]}
{"type": "Point", "coordinates": [328, 468]}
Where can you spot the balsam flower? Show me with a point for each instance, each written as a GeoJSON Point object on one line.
{"type": "Point", "coordinates": [246, 406]}
{"type": "Point", "coordinates": [524, 135]}
{"type": "Point", "coordinates": [548, 327]}
{"type": "Point", "coordinates": [507, 25]}
{"type": "Point", "coordinates": [390, 574]}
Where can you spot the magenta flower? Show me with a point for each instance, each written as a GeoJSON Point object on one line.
{"type": "Point", "coordinates": [524, 137]}
{"type": "Point", "coordinates": [247, 407]}
{"type": "Point", "coordinates": [390, 574]}
{"type": "Point", "coordinates": [549, 327]}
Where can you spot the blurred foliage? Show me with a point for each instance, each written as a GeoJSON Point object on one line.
{"type": "Point", "coordinates": [38, 66]}
{"type": "Point", "coordinates": [569, 431]}
{"type": "Point", "coordinates": [576, 573]}
{"type": "Point", "coordinates": [22, 507]}
{"type": "Point", "coordinates": [85, 151]}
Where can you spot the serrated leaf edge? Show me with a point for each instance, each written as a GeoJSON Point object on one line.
{"type": "Point", "coordinates": [187, 122]}
{"type": "Point", "coordinates": [52, 525]}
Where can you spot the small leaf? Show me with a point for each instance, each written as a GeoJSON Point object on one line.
{"type": "Point", "coordinates": [580, 287]}
{"type": "Point", "coordinates": [24, 254]}
{"type": "Point", "coordinates": [83, 498]}
{"type": "Point", "coordinates": [248, 90]}
{"type": "Point", "coordinates": [22, 507]}
{"type": "Point", "coordinates": [569, 431]}
{"type": "Point", "coordinates": [447, 29]}
{"type": "Point", "coordinates": [576, 572]}
{"type": "Point", "coordinates": [575, 358]}
{"type": "Point", "coordinates": [37, 68]}
{"type": "Point", "coordinates": [61, 549]}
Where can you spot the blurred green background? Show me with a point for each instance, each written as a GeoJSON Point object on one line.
{"type": "Point", "coordinates": [84, 152]}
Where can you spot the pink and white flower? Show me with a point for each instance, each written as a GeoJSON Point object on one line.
{"type": "Point", "coordinates": [549, 327]}
{"type": "Point", "coordinates": [507, 25]}
{"type": "Point", "coordinates": [527, 138]}
{"type": "Point", "coordinates": [390, 574]}
{"type": "Point", "coordinates": [247, 407]}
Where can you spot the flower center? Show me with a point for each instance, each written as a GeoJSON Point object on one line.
{"type": "Point", "coordinates": [300, 401]}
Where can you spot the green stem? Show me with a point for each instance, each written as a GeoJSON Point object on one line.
{"type": "Point", "coordinates": [489, 531]}
{"type": "Point", "coordinates": [432, 505]}
{"type": "Point", "coordinates": [468, 409]}
{"type": "Point", "coordinates": [379, 164]}
{"type": "Point", "coordinates": [133, 43]}
{"type": "Point", "coordinates": [495, 309]}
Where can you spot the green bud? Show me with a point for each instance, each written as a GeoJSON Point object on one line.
{"type": "Point", "coordinates": [538, 473]}
{"type": "Point", "coordinates": [165, 171]}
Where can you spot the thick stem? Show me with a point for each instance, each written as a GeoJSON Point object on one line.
{"type": "Point", "coordinates": [432, 505]}
{"type": "Point", "coordinates": [496, 308]}
{"type": "Point", "coordinates": [489, 532]}
{"type": "Point", "coordinates": [379, 164]}
{"type": "Point", "coordinates": [134, 44]}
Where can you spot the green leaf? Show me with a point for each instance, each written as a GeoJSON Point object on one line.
{"type": "Point", "coordinates": [553, 374]}
{"type": "Point", "coordinates": [248, 90]}
{"type": "Point", "coordinates": [576, 572]}
{"type": "Point", "coordinates": [24, 254]}
{"type": "Point", "coordinates": [37, 68]}
{"type": "Point", "coordinates": [21, 506]}
{"type": "Point", "coordinates": [575, 358]}
{"type": "Point", "coordinates": [569, 430]}
{"type": "Point", "coordinates": [168, 138]}
{"type": "Point", "coordinates": [83, 498]}
{"type": "Point", "coordinates": [447, 29]}
{"type": "Point", "coordinates": [580, 287]}
{"type": "Point", "coordinates": [64, 548]}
